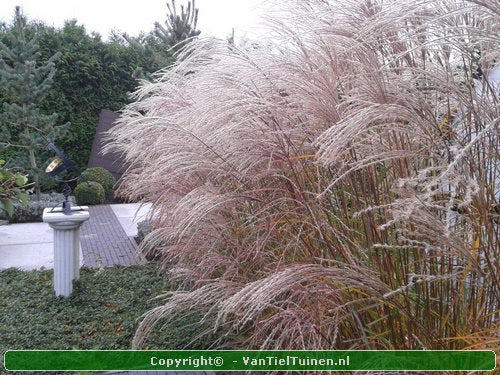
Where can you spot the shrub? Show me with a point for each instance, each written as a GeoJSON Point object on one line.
{"type": "Point", "coordinates": [47, 183]}
{"type": "Point", "coordinates": [334, 190]}
{"type": "Point", "coordinates": [12, 189]}
{"type": "Point", "coordinates": [102, 176]}
{"type": "Point", "coordinates": [33, 210]}
{"type": "Point", "coordinates": [89, 193]}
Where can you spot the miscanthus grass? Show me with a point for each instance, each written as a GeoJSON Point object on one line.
{"type": "Point", "coordinates": [336, 187]}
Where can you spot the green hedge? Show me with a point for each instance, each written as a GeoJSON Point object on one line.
{"type": "Point", "coordinates": [92, 75]}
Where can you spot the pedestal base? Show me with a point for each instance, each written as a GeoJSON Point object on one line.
{"type": "Point", "coordinates": [66, 246]}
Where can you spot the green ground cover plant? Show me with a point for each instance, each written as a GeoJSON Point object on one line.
{"type": "Point", "coordinates": [102, 313]}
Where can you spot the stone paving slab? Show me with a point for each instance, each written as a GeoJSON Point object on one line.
{"type": "Point", "coordinates": [129, 214]}
{"type": "Point", "coordinates": [27, 246]}
{"type": "Point", "coordinates": [27, 257]}
{"type": "Point", "coordinates": [104, 242]}
{"type": "Point", "coordinates": [25, 233]}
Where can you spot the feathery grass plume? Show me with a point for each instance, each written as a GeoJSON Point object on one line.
{"type": "Point", "coordinates": [336, 188]}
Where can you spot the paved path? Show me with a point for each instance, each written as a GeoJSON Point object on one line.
{"type": "Point", "coordinates": [104, 242]}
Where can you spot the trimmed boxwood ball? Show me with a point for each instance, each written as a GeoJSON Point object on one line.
{"type": "Point", "coordinates": [102, 176]}
{"type": "Point", "coordinates": [89, 193]}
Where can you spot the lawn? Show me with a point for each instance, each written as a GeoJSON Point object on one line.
{"type": "Point", "coordinates": [102, 313]}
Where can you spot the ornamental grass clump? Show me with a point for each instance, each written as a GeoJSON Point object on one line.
{"type": "Point", "coordinates": [337, 187]}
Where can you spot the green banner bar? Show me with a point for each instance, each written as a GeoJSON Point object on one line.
{"type": "Point", "coordinates": [337, 360]}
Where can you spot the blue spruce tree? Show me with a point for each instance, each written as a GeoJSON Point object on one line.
{"type": "Point", "coordinates": [24, 83]}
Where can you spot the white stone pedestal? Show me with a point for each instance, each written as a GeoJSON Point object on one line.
{"type": "Point", "coordinates": [66, 246]}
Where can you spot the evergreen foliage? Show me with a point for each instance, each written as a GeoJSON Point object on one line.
{"type": "Point", "coordinates": [26, 81]}
{"type": "Point", "coordinates": [92, 75]}
{"type": "Point", "coordinates": [178, 26]}
{"type": "Point", "coordinates": [89, 193]}
{"type": "Point", "coordinates": [89, 75]}
{"type": "Point", "coordinates": [155, 53]}
{"type": "Point", "coordinates": [102, 176]}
